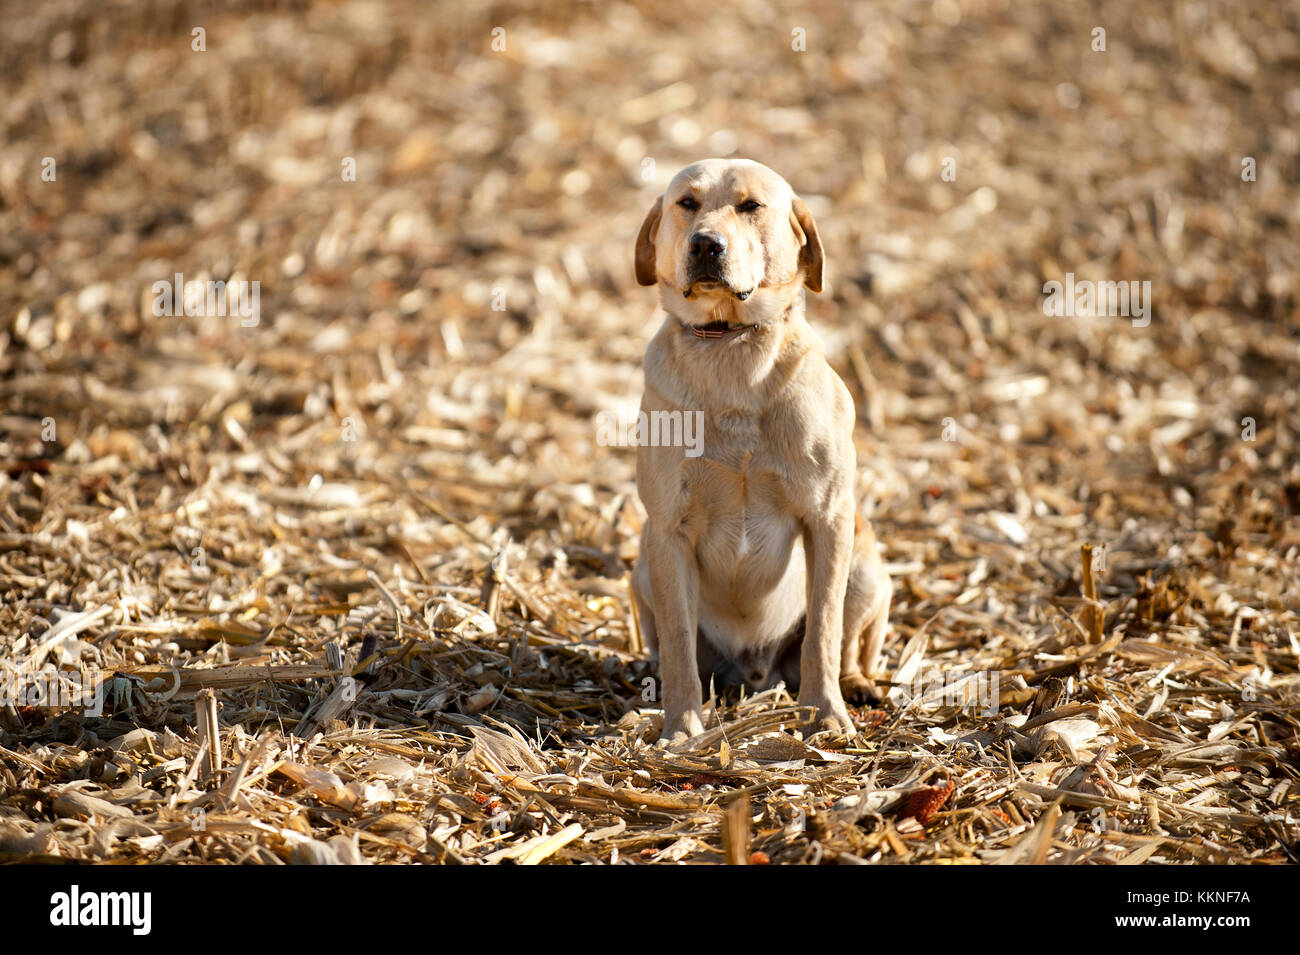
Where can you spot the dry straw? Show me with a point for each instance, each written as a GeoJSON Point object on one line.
{"type": "Point", "coordinates": [356, 575]}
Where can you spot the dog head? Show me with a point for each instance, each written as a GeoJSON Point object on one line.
{"type": "Point", "coordinates": [728, 241]}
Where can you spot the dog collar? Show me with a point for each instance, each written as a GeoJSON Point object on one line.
{"type": "Point", "coordinates": [716, 330]}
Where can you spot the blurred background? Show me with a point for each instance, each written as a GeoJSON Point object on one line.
{"type": "Point", "coordinates": [438, 203]}
{"type": "Point", "coordinates": [438, 330]}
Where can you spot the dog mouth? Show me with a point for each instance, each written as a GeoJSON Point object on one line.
{"type": "Point", "coordinates": [709, 283]}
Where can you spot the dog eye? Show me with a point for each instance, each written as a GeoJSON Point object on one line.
{"type": "Point", "coordinates": [688, 202]}
{"type": "Point", "coordinates": [749, 205]}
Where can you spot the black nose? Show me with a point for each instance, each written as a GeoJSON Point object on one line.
{"type": "Point", "coordinates": [705, 244]}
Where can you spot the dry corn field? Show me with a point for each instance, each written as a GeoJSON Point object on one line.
{"type": "Point", "coordinates": [332, 566]}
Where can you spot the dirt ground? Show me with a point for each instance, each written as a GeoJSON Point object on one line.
{"type": "Point", "coordinates": [438, 207]}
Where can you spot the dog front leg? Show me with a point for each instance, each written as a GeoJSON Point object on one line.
{"type": "Point", "coordinates": [674, 588]}
{"type": "Point", "coordinates": [866, 618]}
{"type": "Point", "coordinates": [829, 547]}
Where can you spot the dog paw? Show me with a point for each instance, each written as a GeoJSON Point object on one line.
{"type": "Point", "coordinates": [831, 716]}
{"type": "Point", "coordinates": [679, 727]}
{"type": "Point", "coordinates": [860, 691]}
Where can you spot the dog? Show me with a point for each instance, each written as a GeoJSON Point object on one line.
{"type": "Point", "coordinates": [755, 564]}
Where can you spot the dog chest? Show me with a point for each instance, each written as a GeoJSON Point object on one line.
{"type": "Point", "coordinates": [741, 524]}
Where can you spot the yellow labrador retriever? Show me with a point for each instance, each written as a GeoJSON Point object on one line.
{"type": "Point", "coordinates": [755, 565]}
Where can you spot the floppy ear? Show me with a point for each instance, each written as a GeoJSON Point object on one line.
{"type": "Point", "coordinates": [645, 245]}
{"type": "Point", "coordinates": [810, 244]}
